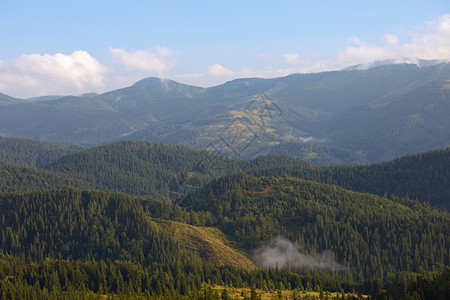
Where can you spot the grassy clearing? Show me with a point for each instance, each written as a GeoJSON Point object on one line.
{"type": "Point", "coordinates": [209, 243]}
{"type": "Point", "coordinates": [245, 293]}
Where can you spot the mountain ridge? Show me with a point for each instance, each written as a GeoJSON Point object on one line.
{"type": "Point", "coordinates": [340, 108]}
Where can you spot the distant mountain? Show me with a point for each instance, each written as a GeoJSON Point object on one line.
{"type": "Point", "coordinates": [5, 100]}
{"type": "Point", "coordinates": [45, 98]}
{"type": "Point", "coordinates": [319, 154]}
{"type": "Point", "coordinates": [400, 125]}
{"type": "Point", "coordinates": [417, 62]}
{"type": "Point", "coordinates": [33, 153]}
{"type": "Point", "coordinates": [375, 114]}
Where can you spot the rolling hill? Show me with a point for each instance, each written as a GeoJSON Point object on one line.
{"type": "Point", "coordinates": [423, 176]}
{"type": "Point", "coordinates": [232, 223]}
{"type": "Point", "coordinates": [33, 153]}
{"type": "Point", "coordinates": [365, 232]}
{"type": "Point", "coordinates": [144, 168]}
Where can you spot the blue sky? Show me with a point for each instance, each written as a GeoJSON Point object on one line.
{"type": "Point", "coordinates": [74, 47]}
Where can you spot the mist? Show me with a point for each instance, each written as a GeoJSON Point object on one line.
{"type": "Point", "coordinates": [282, 252]}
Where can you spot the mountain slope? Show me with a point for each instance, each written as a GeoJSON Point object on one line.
{"type": "Point", "coordinates": [138, 168]}
{"type": "Point", "coordinates": [412, 123]}
{"type": "Point", "coordinates": [143, 168]}
{"type": "Point", "coordinates": [380, 113]}
{"type": "Point", "coordinates": [23, 179]}
{"type": "Point", "coordinates": [33, 153]}
{"type": "Point", "coordinates": [6, 100]}
{"type": "Point", "coordinates": [423, 176]}
{"type": "Point", "coordinates": [75, 224]}
{"type": "Point", "coordinates": [154, 99]}
{"type": "Point", "coordinates": [83, 120]}
{"type": "Point", "coordinates": [370, 235]}
{"type": "Point", "coordinates": [210, 244]}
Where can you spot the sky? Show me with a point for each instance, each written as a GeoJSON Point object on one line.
{"type": "Point", "coordinates": [75, 47]}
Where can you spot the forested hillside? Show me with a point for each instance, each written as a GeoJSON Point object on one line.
{"type": "Point", "coordinates": [273, 223]}
{"type": "Point", "coordinates": [76, 224]}
{"type": "Point", "coordinates": [33, 153]}
{"type": "Point", "coordinates": [143, 168]}
{"type": "Point", "coordinates": [319, 154]}
{"type": "Point", "coordinates": [22, 179]}
{"type": "Point", "coordinates": [64, 242]}
{"type": "Point", "coordinates": [138, 168]}
{"type": "Point", "coordinates": [370, 235]}
{"type": "Point", "coordinates": [424, 176]}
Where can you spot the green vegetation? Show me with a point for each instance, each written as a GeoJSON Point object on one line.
{"type": "Point", "coordinates": [148, 169]}
{"type": "Point", "coordinates": [372, 236]}
{"type": "Point", "coordinates": [138, 168]}
{"type": "Point", "coordinates": [414, 286]}
{"type": "Point", "coordinates": [320, 155]}
{"type": "Point", "coordinates": [33, 153]}
{"type": "Point", "coordinates": [21, 179]}
{"type": "Point", "coordinates": [59, 238]}
{"type": "Point", "coordinates": [424, 176]}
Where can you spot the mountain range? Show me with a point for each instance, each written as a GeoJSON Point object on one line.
{"type": "Point", "coordinates": [349, 116]}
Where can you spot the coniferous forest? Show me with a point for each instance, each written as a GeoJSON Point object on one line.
{"type": "Point", "coordinates": [139, 220]}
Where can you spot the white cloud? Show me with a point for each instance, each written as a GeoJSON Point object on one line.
{"type": "Point", "coordinates": [266, 72]}
{"type": "Point", "coordinates": [161, 61]}
{"type": "Point", "coordinates": [42, 74]}
{"type": "Point", "coordinates": [219, 71]}
{"type": "Point", "coordinates": [292, 58]}
{"type": "Point", "coordinates": [432, 42]}
{"type": "Point", "coordinates": [354, 40]}
{"type": "Point", "coordinates": [391, 39]}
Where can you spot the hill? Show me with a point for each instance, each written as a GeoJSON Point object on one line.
{"type": "Point", "coordinates": [370, 235]}
{"type": "Point", "coordinates": [209, 243]}
{"type": "Point", "coordinates": [138, 168]}
{"type": "Point", "coordinates": [143, 168]}
{"type": "Point", "coordinates": [424, 176]}
{"type": "Point", "coordinates": [6, 100]}
{"type": "Point", "coordinates": [150, 169]}
{"type": "Point", "coordinates": [298, 233]}
{"type": "Point", "coordinates": [23, 179]}
{"type": "Point", "coordinates": [87, 224]}
{"type": "Point", "coordinates": [33, 153]}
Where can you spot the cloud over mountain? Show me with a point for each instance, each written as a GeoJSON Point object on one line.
{"type": "Point", "coordinates": [219, 71]}
{"type": "Point", "coordinates": [79, 72]}
{"type": "Point", "coordinates": [41, 74]}
{"type": "Point", "coordinates": [161, 60]}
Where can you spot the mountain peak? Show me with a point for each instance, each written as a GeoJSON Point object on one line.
{"type": "Point", "coordinates": [397, 61]}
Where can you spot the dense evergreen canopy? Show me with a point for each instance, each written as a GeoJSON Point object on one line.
{"type": "Point", "coordinates": [99, 222]}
